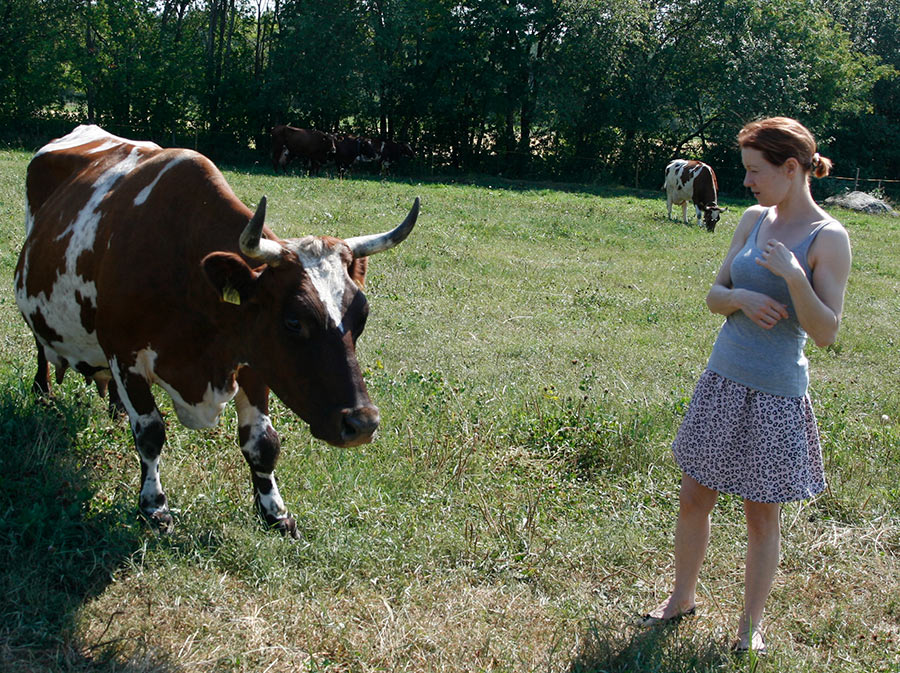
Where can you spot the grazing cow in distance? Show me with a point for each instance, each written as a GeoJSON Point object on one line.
{"type": "Point", "coordinates": [390, 152]}
{"type": "Point", "coordinates": [310, 145]}
{"type": "Point", "coordinates": [141, 267]}
{"type": "Point", "coordinates": [350, 149]}
{"type": "Point", "coordinates": [693, 181]}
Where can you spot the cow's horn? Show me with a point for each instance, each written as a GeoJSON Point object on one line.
{"type": "Point", "coordinates": [252, 243]}
{"type": "Point", "coordinates": [363, 246]}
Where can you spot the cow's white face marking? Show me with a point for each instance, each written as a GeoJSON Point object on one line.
{"type": "Point", "coordinates": [144, 194]}
{"type": "Point", "coordinates": [326, 272]}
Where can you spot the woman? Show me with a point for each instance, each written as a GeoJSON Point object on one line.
{"type": "Point", "coordinates": [750, 429]}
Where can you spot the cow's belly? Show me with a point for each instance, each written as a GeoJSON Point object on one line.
{"type": "Point", "coordinates": [203, 413]}
{"type": "Point", "coordinates": [57, 321]}
{"type": "Point", "coordinates": [679, 196]}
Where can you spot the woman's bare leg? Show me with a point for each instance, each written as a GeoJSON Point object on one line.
{"type": "Point", "coordinates": [763, 549]}
{"type": "Point", "coordinates": [691, 539]}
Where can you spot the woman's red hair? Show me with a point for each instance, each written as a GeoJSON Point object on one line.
{"type": "Point", "coordinates": [781, 138]}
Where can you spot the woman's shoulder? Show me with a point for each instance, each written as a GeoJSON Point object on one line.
{"type": "Point", "coordinates": [755, 211]}
{"type": "Point", "coordinates": [748, 221]}
{"type": "Point", "coordinates": [752, 215]}
{"type": "Point", "coordinates": [831, 241]}
{"type": "Point", "coordinates": [832, 230]}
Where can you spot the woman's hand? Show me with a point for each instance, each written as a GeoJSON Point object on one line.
{"type": "Point", "coordinates": [761, 308]}
{"type": "Point", "coordinates": [779, 260]}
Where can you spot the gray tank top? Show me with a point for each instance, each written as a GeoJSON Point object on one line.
{"type": "Point", "coordinates": [772, 360]}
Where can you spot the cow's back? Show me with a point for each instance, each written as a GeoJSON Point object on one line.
{"type": "Point", "coordinates": [102, 211]}
{"type": "Point", "coordinates": [681, 179]}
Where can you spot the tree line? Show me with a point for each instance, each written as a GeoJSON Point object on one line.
{"type": "Point", "coordinates": [604, 90]}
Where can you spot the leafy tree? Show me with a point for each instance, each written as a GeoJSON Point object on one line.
{"type": "Point", "coordinates": [583, 88]}
{"type": "Point", "coordinates": [33, 46]}
{"type": "Point", "coordinates": [316, 69]}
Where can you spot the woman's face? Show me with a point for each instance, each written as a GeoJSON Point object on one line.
{"type": "Point", "coordinates": [768, 182]}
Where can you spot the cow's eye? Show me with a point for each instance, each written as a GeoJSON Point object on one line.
{"type": "Point", "coordinates": [294, 326]}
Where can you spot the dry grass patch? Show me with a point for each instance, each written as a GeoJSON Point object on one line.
{"type": "Point", "coordinates": [451, 625]}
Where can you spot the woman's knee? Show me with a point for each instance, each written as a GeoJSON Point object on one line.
{"type": "Point", "coordinates": [695, 498]}
{"type": "Point", "coordinates": [763, 518]}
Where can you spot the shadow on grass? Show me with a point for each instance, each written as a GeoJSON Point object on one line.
{"type": "Point", "coordinates": [674, 649]}
{"type": "Point", "coordinates": [58, 547]}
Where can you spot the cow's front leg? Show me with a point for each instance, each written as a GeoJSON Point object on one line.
{"type": "Point", "coordinates": [149, 431]}
{"type": "Point", "coordinates": [260, 445]}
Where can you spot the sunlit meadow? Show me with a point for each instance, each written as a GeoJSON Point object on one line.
{"type": "Point", "coordinates": [532, 348]}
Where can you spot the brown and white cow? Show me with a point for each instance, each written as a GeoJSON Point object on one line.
{"type": "Point", "coordinates": [141, 266]}
{"type": "Point", "coordinates": [693, 181]}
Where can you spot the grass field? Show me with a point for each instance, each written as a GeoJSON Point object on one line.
{"type": "Point", "coordinates": [532, 349]}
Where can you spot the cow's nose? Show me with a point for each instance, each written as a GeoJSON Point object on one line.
{"type": "Point", "coordinates": [359, 424]}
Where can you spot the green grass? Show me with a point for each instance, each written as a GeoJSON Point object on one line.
{"type": "Point", "coordinates": [532, 349]}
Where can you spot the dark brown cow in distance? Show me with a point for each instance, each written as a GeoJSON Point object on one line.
{"type": "Point", "coordinates": [390, 152]}
{"type": "Point", "coordinates": [141, 267]}
{"type": "Point", "coordinates": [350, 149]}
{"type": "Point", "coordinates": [693, 181]}
{"type": "Point", "coordinates": [310, 145]}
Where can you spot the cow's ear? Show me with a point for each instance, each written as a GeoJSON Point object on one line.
{"type": "Point", "coordinates": [357, 271]}
{"type": "Point", "coordinates": [231, 277]}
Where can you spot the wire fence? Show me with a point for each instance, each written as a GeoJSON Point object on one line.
{"type": "Point", "coordinates": [887, 189]}
{"type": "Point", "coordinates": [881, 181]}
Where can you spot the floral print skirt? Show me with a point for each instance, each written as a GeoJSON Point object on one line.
{"type": "Point", "coordinates": [762, 447]}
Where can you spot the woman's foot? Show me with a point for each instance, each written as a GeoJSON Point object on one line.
{"type": "Point", "coordinates": [667, 612]}
{"type": "Point", "coordinates": [746, 643]}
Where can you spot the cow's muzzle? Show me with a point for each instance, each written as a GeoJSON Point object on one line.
{"type": "Point", "coordinates": [359, 425]}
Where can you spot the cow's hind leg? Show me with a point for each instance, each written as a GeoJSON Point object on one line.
{"type": "Point", "coordinates": [261, 447]}
{"type": "Point", "coordinates": [107, 388]}
{"type": "Point", "coordinates": [149, 432]}
{"type": "Point", "coordinates": [41, 385]}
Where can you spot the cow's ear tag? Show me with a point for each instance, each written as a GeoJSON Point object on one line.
{"type": "Point", "coordinates": [231, 295]}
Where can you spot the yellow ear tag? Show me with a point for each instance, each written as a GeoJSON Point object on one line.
{"type": "Point", "coordinates": [231, 295]}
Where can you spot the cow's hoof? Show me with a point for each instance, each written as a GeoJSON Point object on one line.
{"type": "Point", "coordinates": [287, 527]}
{"type": "Point", "coordinates": [160, 520]}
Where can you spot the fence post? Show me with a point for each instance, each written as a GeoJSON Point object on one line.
{"type": "Point", "coordinates": [856, 184]}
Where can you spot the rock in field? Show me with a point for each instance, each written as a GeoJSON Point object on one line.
{"type": "Point", "coordinates": [861, 201]}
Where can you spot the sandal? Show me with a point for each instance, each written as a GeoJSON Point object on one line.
{"type": "Point", "coordinates": [646, 621]}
